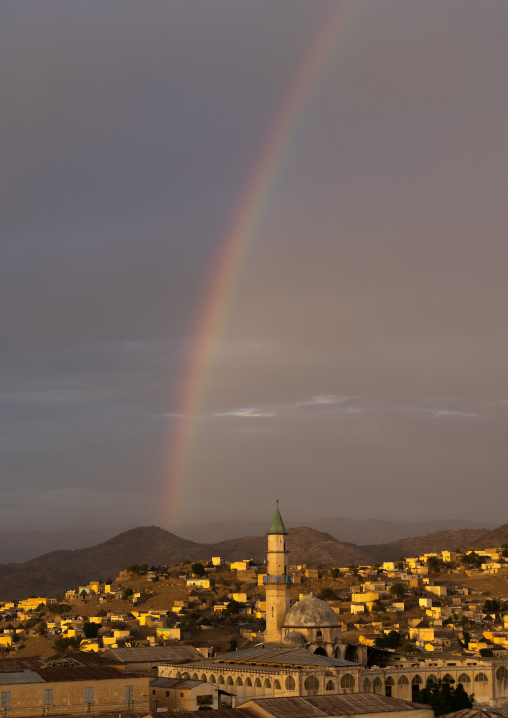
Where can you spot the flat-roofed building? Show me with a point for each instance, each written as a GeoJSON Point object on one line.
{"type": "Point", "coordinates": [70, 684]}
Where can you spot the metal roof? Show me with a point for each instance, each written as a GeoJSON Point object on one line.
{"type": "Point", "coordinates": [273, 654]}
{"type": "Point", "coordinates": [176, 654]}
{"type": "Point", "coordinates": [65, 660]}
{"type": "Point", "coordinates": [84, 673]}
{"type": "Point", "coordinates": [221, 713]}
{"type": "Point", "coordinates": [7, 679]}
{"type": "Point", "coordinates": [472, 713]}
{"type": "Point", "coordinates": [162, 682]}
{"type": "Point", "coordinates": [335, 705]}
{"type": "Point", "coordinates": [277, 525]}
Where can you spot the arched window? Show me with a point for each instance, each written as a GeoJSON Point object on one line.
{"type": "Point", "coordinates": [330, 686]}
{"type": "Point", "coordinates": [448, 678]}
{"type": "Point", "coordinates": [267, 684]}
{"type": "Point", "coordinates": [377, 685]}
{"type": "Point", "coordinates": [432, 678]}
{"type": "Point", "coordinates": [389, 681]}
{"type": "Point", "coordinates": [319, 634]}
{"type": "Point", "coordinates": [221, 679]}
{"type": "Point", "coordinates": [347, 681]}
{"type": "Point", "coordinates": [366, 685]}
{"type": "Point", "coordinates": [272, 611]}
{"type": "Point", "coordinates": [195, 677]}
{"type": "Point", "coordinates": [230, 681]}
{"type": "Point", "coordinates": [463, 678]}
{"type": "Point", "coordinates": [185, 676]}
{"type": "Point", "coordinates": [415, 688]}
{"type": "Point", "coordinates": [403, 681]}
{"type": "Point", "coordinates": [276, 685]}
{"type": "Point", "coordinates": [257, 684]}
{"type": "Point", "coordinates": [290, 683]}
{"type": "Point", "coordinates": [311, 683]}
{"type": "Point", "coordinates": [203, 678]}
{"type": "Point", "coordinates": [481, 678]}
{"type": "Point", "coordinates": [178, 676]}
{"type": "Point", "coordinates": [248, 682]}
{"type": "Point", "coordinates": [320, 651]}
{"type": "Point", "coordinates": [212, 679]}
{"type": "Point", "coordinates": [239, 681]}
{"type": "Point", "coordinates": [502, 674]}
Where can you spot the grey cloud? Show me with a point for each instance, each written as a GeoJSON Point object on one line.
{"type": "Point", "coordinates": [363, 358]}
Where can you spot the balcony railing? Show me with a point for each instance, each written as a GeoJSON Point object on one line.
{"type": "Point", "coordinates": [277, 579]}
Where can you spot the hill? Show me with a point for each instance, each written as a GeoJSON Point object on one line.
{"type": "Point", "coordinates": [306, 545]}
{"type": "Point", "coordinates": [497, 537]}
{"type": "Point", "coordinates": [356, 531]}
{"type": "Point", "coordinates": [59, 571]}
{"type": "Point", "coordinates": [21, 546]}
{"type": "Point", "coordinates": [435, 542]}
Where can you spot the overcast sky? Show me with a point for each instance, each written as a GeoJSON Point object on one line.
{"type": "Point", "coordinates": [363, 368]}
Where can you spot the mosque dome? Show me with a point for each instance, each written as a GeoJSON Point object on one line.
{"type": "Point", "coordinates": [293, 638]}
{"type": "Point", "coordinates": [310, 613]}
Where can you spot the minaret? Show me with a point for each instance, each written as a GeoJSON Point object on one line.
{"type": "Point", "coordinates": [277, 579]}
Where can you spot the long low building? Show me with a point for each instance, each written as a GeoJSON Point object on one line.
{"type": "Point", "coordinates": [355, 705]}
{"type": "Point", "coordinates": [486, 678]}
{"type": "Point", "coordinates": [271, 671]}
{"type": "Point", "coordinates": [69, 684]}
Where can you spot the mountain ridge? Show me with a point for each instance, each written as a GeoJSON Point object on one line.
{"type": "Point", "coordinates": [58, 571]}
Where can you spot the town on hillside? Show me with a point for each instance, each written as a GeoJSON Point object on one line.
{"type": "Point", "coordinates": [218, 634]}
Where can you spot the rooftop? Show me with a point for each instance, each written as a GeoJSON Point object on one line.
{"type": "Point", "coordinates": [336, 705]}
{"type": "Point", "coordinates": [277, 525]}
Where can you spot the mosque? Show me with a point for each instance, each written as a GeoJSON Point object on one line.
{"type": "Point", "coordinates": [303, 654]}
{"type": "Point", "coordinates": [310, 623]}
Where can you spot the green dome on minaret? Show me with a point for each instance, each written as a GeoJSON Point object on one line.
{"type": "Point", "coordinates": [277, 525]}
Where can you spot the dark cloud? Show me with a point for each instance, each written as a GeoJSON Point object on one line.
{"type": "Point", "coordinates": [363, 362]}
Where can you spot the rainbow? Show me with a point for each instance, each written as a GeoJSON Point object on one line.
{"type": "Point", "coordinates": [243, 230]}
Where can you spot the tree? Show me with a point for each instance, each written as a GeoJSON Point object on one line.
{"type": "Point", "coordinates": [327, 594]}
{"type": "Point", "coordinates": [491, 605]}
{"type": "Point", "coordinates": [466, 637]}
{"type": "Point", "coordinates": [410, 648]}
{"type": "Point", "coordinates": [334, 572]}
{"type": "Point", "coordinates": [32, 622]}
{"type": "Point", "coordinates": [397, 590]}
{"type": "Point", "coordinates": [400, 564]}
{"type": "Point", "coordinates": [433, 564]}
{"type": "Point", "coordinates": [74, 643]}
{"type": "Point", "coordinates": [470, 559]}
{"type": "Point", "coordinates": [91, 630]}
{"type": "Point", "coordinates": [444, 698]}
{"type": "Point", "coordinates": [233, 645]}
{"type": "Point", "coordinates": [128, 592]}
{"type": "Point", "coordinates": [198, 569]}
{"type": "Point", "coordinates": [60, 645]}
{"type": "Point", "coordinates": [486, 653]}
{"type": "Point", "coordinates": [59, 608]}
{"type": "Point", "coordinates": [232, 608]}
{"type": "Point", "coordinates": [393, 639]}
